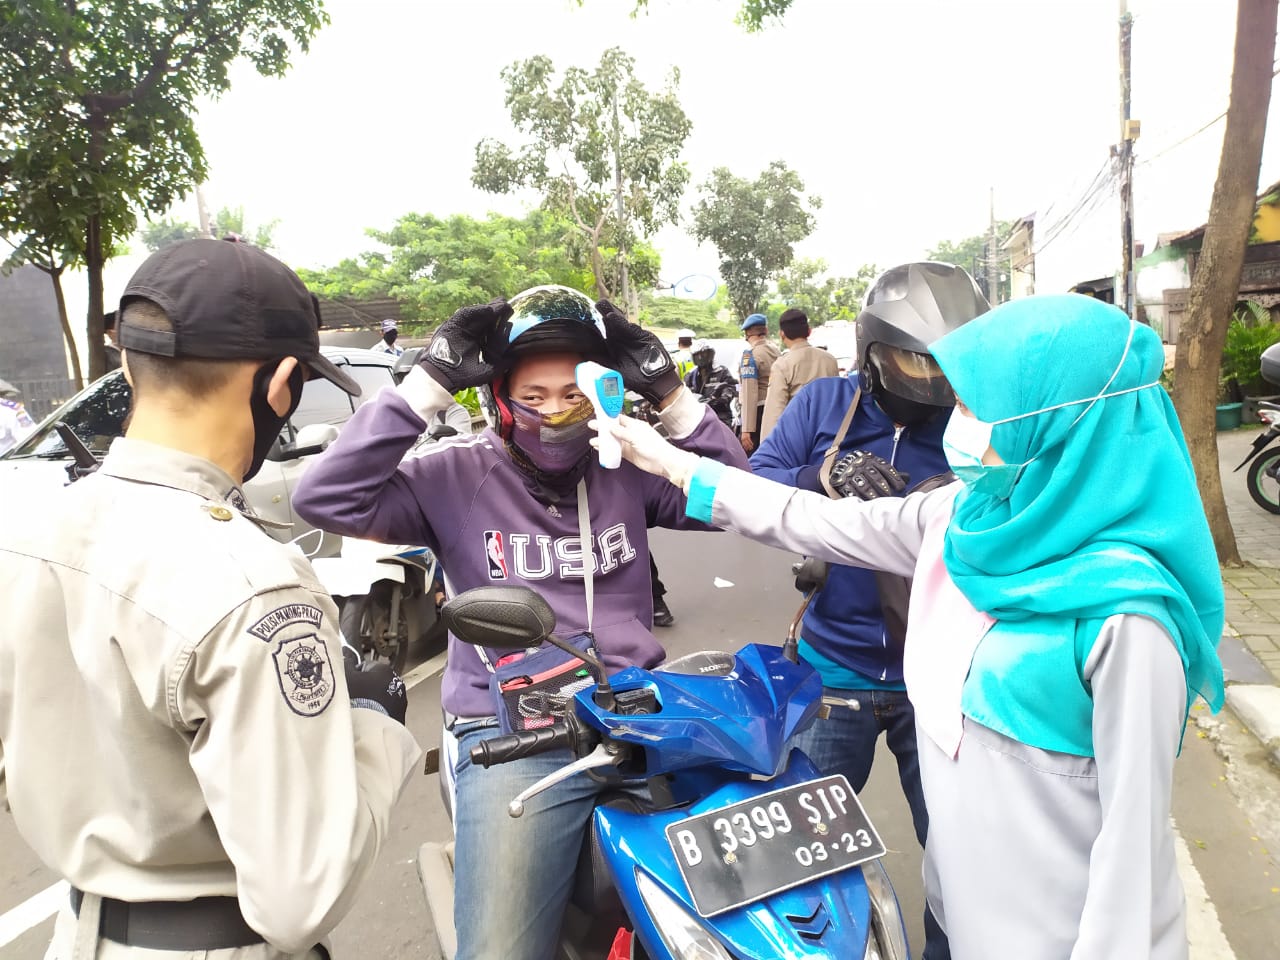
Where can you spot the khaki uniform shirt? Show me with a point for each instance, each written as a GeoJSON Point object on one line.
{"type": "Point", "coordinates": [753, 381]}
{"type": "Point", "coordinates": [174, 716]}
{"type": "Point", "coordinates": [798, 366]}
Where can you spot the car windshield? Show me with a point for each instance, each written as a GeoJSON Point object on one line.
{"type": "Point", "coordinates": [97, 416]}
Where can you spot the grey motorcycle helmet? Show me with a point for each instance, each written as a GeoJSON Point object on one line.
{"type": "Point", "coordinates": [905, 310]}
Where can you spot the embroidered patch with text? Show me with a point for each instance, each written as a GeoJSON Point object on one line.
{"type": "Point", "coordinates": [266, 628]}
{"type": "Point", "coordinates": [306, 674]}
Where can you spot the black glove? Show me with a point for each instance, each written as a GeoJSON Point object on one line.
{"type": "Point", "coordinates": [453, 358]}
{"type": "Point", "coordinates": [638, 355]}
{"type": "Point", "coordinates": [866, 476]}
{"type": "Point", "coordinates": [376, 682]}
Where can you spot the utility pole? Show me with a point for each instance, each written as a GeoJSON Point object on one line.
{"type": "Point", "coordinates": [1129, 130]}
{"type": "Point", "coordinates": [203, 211]}
{"type": "Point", "coordinates": [993, 270]}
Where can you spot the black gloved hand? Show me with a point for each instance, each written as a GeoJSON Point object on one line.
{"type": "Point", "coordinates": [638, 355]}
{"type": "Point", "coordinates": [376, 682]}
{"type": "Point", "coordinates": [866, 476]}
{"type": "Point", "coordinates": [453, 358]}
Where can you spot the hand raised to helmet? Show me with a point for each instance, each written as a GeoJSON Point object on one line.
{"type": "Point", "coordinates": [638, 355]}
{"type": "Point", "coordinates": [454, 358]}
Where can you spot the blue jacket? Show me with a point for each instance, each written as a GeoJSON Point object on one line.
{"type": "Point", "coordinates": [845, 622]}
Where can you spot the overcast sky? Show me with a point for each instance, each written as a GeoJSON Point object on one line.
{"type": "Point", "coordinates": [899, 114]}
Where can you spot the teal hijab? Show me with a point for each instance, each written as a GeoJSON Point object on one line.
{"type": "Point", "coordinates": [1105, 518]}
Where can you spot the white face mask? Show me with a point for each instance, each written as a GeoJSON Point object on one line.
{"type": "Point", "coordinates": [967, 439]}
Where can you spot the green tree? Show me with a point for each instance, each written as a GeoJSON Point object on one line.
{"type": "Point", "coordinates": [231, 220]}
{"type": "Point", "coordinates": [601, 149]}
{"type": "Point", "coordinates": [971, 254]}
{"type": "Point", "coordinates": [754, 225]}
{"type": "Point", "coordinates": [805, 285]}
{"type": "Point", "coordinates": [752, 16]}
{"type": "Point", "coordinates": [157, 234]}
{"type": "Point", "coordinates": [101, 99]}
{"type": "Point", "coordinates": [434, 265]}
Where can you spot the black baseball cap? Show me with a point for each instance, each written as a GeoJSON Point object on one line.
{"type": "Point", "coordinates": [228, 301]}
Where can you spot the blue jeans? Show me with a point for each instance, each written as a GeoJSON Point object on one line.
{"type": "Point", "coordinates": [846, 743]}
{"type": "Point", "coordinates": [512, 877]}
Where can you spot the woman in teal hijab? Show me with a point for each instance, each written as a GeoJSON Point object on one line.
{"type": "Point", "coordinates": [1065, 611]}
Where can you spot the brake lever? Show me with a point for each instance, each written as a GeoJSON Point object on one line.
{"type": "Point", "coordinates": [828, 702]}
{"type": "Point", "coordinates": [601, 756]}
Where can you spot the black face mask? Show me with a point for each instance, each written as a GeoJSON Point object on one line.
{"type": "Point", "coordinates": [266, 422]}
{"type": "Point", "coordinates": [390, 337]}
{"type": "Point", "coordinates": [907, 413]}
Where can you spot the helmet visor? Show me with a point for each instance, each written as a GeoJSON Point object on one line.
{"type": "Point", "coordinates": [535, 307]}
{"type": "Point", "coordinates": [911, 376]}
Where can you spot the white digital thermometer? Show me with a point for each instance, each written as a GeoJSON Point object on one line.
{"type": "Point", "coordinates": [604, 389]}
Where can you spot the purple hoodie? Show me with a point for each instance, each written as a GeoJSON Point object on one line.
{"type": "Point", "coordinates": [466, 500]}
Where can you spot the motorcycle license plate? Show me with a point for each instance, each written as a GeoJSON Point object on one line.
{"type": "Point", "coordinates": [751, 850]}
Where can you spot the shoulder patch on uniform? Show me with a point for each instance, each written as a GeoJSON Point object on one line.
{"type": "Point", "coordinates": [265, 628]}
{"type": "Point", "coordinates": [306, 674]}
{"type": "Point", "coordinates": [747, 370]}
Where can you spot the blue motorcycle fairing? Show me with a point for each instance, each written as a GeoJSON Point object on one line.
{"type": "Point", "coordinates": [742, 721]}
{"type": "Point", "coordinates": [825, 918]}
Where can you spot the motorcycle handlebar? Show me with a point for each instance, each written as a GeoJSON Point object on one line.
{"type": "Point", "coordinates": [514, 746]}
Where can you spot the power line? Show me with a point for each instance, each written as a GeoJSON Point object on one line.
{"type": "Point", "coordinates": [1195, 133]}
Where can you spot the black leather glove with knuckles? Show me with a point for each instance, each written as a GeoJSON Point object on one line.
{"type": "Point", "coordinates": [865, 476]}
{"type": "Point", "coordinates": [638, 355]}
{"type": "Point", "coordinates": [375, 683]}
{"type": "Point", "coordinates": [455, 356]}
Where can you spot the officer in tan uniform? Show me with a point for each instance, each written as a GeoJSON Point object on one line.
{"type": "Point", "coordinates": [801, 364]}
{"type": "Point", "coordinates": [181, 737]}
{"type": "Point", "coordinates": [753, 377]}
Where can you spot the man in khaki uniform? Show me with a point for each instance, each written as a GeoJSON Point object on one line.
{"type": "Point", "coordinates": [753, 377]}
{"type": "Point", "coordinates": [801, 364]}
{"type": "Point", "coordinates": [181, 737]}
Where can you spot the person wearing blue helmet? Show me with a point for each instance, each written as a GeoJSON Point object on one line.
{"type": "Point", "coordinates": [508, 506]}
{"type": "Point", "coordinates": [1062, 621]}
{"type": "Point", "coordinates": [753, 377]}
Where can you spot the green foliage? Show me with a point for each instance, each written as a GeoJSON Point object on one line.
{"type": "Point", "coordinates": [752, 16]}
{"type": "Point", "coordinates": [596, 141]}
{"type": "Point", "coordinates": [971, 254]}
{"type": "Point", "coordinates": [469, 399]}
{"type": "Point", "coordinates": [754, 226]}
{"type": "Point", "coordinates": [804, 286]}
{"type": "Point", "coordinates": [99, 117]}
{"type": "Point", "coordinates": [1243, 354]}
{"type": "Point", "coordinates": [700, 316]}
{"type": "Point", "coordinates": [434, 266]}
{"type": "Point", "coordinates": [158, 234]}
{"type": "Point", "coordinates": [231, 220]}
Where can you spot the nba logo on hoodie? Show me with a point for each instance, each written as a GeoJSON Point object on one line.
{"type": "Point", "coordinates": [495, 554]}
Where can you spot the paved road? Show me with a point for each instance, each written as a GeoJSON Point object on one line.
{"type": "Point", "coordinates": [1225, 807]}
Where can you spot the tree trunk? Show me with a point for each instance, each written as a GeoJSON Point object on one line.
{"type": "Point", "coordinates": [93, 261]}
{"type": "Point", "coordinates": [1216, 283]}
{"type": "Point", "coordinates": [55, 275]}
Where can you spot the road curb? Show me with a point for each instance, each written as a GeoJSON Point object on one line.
{"type": "Point", "coordinates": [1258, 707]}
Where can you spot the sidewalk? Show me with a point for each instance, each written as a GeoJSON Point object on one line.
{"type": "Point", "coordinates": [1250, 646]}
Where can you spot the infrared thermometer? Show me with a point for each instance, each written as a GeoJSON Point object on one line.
{"type": "Point", "coordinates": [604, 389]}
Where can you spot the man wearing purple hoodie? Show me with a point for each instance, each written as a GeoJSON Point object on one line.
{"type": "Point", "coordinates": [503, 507]}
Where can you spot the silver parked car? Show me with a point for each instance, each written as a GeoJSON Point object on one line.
{"type": "Point", "coordinates": [97, 414]}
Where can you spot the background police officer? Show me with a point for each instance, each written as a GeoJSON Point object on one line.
{"type": "Point", "coordinates": [178, 736]}
{"type": "Point", "coordinates": [753, 377]}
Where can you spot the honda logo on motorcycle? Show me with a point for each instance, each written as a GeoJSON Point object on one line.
{"type": "Point", "coordinates": [495, 554]}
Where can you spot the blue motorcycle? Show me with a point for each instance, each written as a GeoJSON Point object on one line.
{"type": "Point", "coordinates": [738, 848]}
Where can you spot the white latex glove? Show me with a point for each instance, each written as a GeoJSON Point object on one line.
{"type": "Point", "coordinates": [650, 451]}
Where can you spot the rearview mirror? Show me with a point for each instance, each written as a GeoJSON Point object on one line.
{"type": "Point", "coordinates": [811, 574]}
{"type": "Point", "coordinates": [438, 431]}
{"type": "Point", "coordinates": [312, 439]}
{"type": "Point", "coordinates": [509, 618]}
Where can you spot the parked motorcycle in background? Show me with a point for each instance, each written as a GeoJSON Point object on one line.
{"type": "Point", "coordinates": [1263, 478]}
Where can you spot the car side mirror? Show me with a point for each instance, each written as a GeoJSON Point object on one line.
{"type": "Point", "coordinates": [312, 439]}
{"type": "Point", "coordinates": [508, 618]}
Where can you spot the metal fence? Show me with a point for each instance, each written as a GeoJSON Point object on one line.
{"type": "Point", "coordinates": [42, 397]}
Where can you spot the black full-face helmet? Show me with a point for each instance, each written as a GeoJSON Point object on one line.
{"type": "Point", "coordinates": [547, 319]}
{"type": "Point", "coordinates": [906, 309]}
